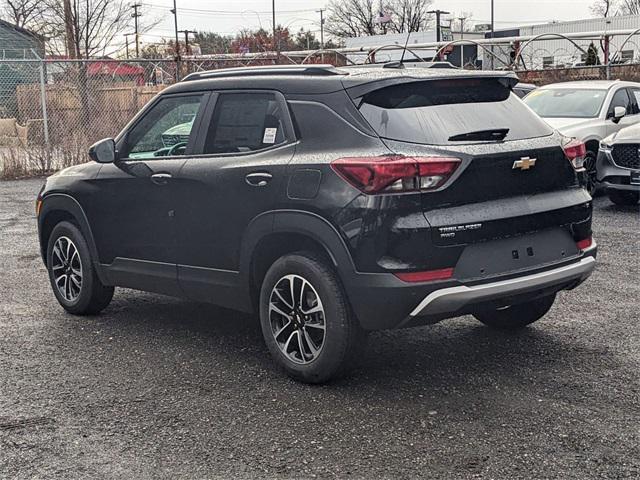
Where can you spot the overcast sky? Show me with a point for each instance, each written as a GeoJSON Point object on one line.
{"type": "Point", "coordinates": [227, 17]}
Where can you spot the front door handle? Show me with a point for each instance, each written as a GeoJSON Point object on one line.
{"type": "Point", "coordinates": [160, 178]}
{"type": "Point", "coordinates": [258, 179]}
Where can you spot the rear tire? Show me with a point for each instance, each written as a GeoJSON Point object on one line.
{"type": "Point", "coordinates": [620, 197]}
{"type": "Point", "coordinates": [517, 316]}
{"type": "Point", "coordinates": [306, 319]}
{"type": "Point", "coordinates": [72, 273]}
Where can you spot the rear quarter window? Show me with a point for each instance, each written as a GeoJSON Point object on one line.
{"type": "Point", "coordinates": [433, 111]}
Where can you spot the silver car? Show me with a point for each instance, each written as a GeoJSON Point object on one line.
{"type": "Point", "coordinates": [618, 166]}
{"type": "Point", "coordinates": [589, 111]}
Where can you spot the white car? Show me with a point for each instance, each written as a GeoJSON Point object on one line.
{"type": "Point", "coordinates": [589, 111]}
{"type": "Point", "coordinates": [619, 166]}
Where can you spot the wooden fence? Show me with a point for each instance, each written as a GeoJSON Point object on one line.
{"type": "Point", "coordinates": [97, 112]}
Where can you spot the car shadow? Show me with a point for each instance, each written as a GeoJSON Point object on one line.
{"type": "Point", "coordinates": [456, 355]}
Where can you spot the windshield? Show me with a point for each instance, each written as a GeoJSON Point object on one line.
{"type": "Point", "coordinates": [446, 112]}
{"type": "Point", "coordinates": [566, 102]}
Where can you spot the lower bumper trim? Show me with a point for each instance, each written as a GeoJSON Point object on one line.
{"type": "Point", "coordinates": [452, 299]}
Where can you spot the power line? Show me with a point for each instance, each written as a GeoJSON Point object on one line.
{"type": "Point", "coordinates": [230, 12]}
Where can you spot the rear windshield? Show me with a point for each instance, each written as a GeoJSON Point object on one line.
{"type": "Point", "coordinates": [451, 112]}
{"type": "Point", "coordinates": [566, 102]}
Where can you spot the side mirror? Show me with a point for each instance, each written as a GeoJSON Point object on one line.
{"type": "Point", "coordinates": [103, 151]}
{"type": "Point", "coordinates": [618, 113]}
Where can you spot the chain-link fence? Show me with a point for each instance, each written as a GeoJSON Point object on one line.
{"type": "Point", "coordinates": [52, 110]}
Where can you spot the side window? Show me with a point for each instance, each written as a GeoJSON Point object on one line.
{"type": "Point", "coordinates": [165, 130]}
{"type": "Point", "coordinates": [635, 98]}
{"type": "Point", "coordinates": [245, 122]}
{"type": "Point", "coordinates": [620, 99]}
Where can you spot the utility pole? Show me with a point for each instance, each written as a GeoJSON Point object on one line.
{"type": "Point", "coordinates": [438, 14]}
{"type": "Point", "coordinates": [69, 31]}
{"type": "Point", "coordinates": [493, 29]}
{"type": "Point", "coordinates": [135, 16]}
{"type": "Point", "coordinates": [321, 11]}
{"type": "Point", "coordinates": [126, 44]}
{"type": "Point", "coordinates": [276, 42]}
{"type": "Point", "coordinates": [86, 38]}
{"type": "Point", "coordinates": [462, 19]}
{"type": "Point", "coordinates": [187, 48]}
{"type": "Point", "coordinates": [174, 10]}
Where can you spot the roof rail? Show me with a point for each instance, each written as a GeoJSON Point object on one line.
{"type": "Point", "coordinates": [314, 69]}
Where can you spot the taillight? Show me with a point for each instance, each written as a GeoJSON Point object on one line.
{"type": "Point", "coordinates": [426, 276]}
{"type": "Point", "coordinates": [395, 174]}
{"type": "Point", "coordinates": [585, 243]}
{"type": "Point", "coordinates": [575, 151]}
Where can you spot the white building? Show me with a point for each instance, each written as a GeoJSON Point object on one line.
{"type": "Point", "coordinates": [550, 52]}
{"type": "Point", "coordinates": [388, 54]}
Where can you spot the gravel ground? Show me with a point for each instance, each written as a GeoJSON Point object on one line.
{"type": "Point", "coordinates": [159, 387]}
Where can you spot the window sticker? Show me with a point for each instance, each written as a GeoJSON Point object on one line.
{"type": "Point", "coordinates": [269, 135]}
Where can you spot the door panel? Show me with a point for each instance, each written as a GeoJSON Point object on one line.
{"type": "Point", "coordinates": [133, 221]}
{"type": "Point", "coordinates": [248, 145]}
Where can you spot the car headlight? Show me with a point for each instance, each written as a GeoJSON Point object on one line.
{"type": "Point", "coordinates": [605, 147]}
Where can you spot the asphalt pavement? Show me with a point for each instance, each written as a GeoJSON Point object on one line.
{"type": "Point", "coordinates": [157, 387]}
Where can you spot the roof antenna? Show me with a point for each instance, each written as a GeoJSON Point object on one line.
{"type": "Point", "coordinates": [406, 44]}
{"type": "Point", "coordinates": [404, 50]}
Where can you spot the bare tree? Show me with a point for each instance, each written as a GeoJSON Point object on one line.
{"type": "Point", "coordinates": [603, 8]}
{"type": "Point", "coordinates": [22, 12]}
{"type": "Point", "coordinates": [409, 15]}
{"type": "Point", "coordinates": [630, 7]}
{"type": "Point", "coordinates": [352, 18]}
{"type": "Point", "coordinates": [94, 25]}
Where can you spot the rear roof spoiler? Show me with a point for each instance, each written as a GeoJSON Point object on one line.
{"type": "Point", "coordinates": [356, 90]}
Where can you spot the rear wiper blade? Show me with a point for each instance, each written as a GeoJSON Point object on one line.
{"type": "Point", "coordinates": [495, 134]}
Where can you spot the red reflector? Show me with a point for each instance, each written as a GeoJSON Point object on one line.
{"type": "Point", "coordinates": [428, 276]}
{"type": "Point", "coordinates": [395, 174]}
{"type": "Point", "coordinates": [584, 244]}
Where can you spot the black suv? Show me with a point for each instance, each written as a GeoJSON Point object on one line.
{"type": "Point", "coordinates": [333, 201]}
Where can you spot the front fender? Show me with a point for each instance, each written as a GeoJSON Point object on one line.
{"type": "Point", "coordinates": [62, 203]}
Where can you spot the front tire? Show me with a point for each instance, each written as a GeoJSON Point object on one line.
{"type": "Point", "coordinates": [306, 320]}
{"type": "Point", "coordinates": [72, 274]}
{"type": "Point", "coordinates": [623, 198]}
{"type": "Point", "coordinates": [591, 172]}
{"type": "Point", "coordinates": [517, 316]}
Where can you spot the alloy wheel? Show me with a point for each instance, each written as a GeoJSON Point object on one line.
{"type": "Point", "coordinates": [66, 269]}
{"type": "Point", "coordinates": [591, 173]}
{"type": "Point", "coordinates": [297, 319]}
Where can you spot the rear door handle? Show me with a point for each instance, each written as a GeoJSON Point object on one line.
{"type": "Point", "coordinates": [258, 179]}
{"type": "Point", "coordinates": [160, 178]}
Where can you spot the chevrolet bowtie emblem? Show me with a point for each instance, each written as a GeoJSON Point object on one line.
{"type": "Point", "coordinates": [525, 163]}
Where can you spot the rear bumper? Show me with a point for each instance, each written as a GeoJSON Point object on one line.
{"type": "Point", "coordinates": [454, 299]}
{"type": "Point", "coordinates": [382, 301]}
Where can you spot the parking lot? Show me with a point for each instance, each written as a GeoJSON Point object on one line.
{"type": "Point", "coordinates": [159, 387]}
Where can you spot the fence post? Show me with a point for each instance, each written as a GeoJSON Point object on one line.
{"type": "Point", "coordinates": [43, 101]}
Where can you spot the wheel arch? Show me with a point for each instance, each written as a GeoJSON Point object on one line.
{"type": "Point", "coordinates": [58, 207]}
{"type": "Point", "coordinates": [592, 144]}
{"type": "Point", "coordinates": [277, 233]}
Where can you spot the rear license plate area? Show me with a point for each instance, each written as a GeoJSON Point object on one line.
{"type": "Point", "coordinates": [506, 255]}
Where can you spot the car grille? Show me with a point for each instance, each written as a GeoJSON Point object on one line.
{"type": "Point", "coordinates": [627, 155]}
